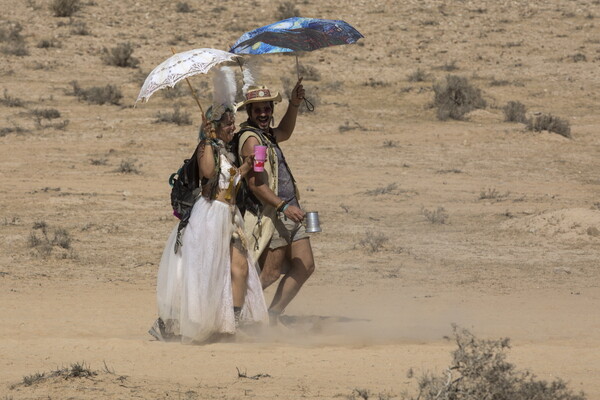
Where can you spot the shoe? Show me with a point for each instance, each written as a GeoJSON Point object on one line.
{"type": "Point", "coordinates": [157, 330]}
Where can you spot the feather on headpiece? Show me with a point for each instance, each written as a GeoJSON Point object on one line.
{"type": "Point", "coordinates": [224, 89]}
{"type": "Point", "coordinates": [251, 72]}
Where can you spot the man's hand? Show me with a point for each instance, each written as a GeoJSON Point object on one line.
{"type": "Point", "coordinates": [294, 213]}
{"type": "Point", "coordinates": [297, 94]}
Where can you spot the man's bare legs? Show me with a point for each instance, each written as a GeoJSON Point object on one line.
{"type": "Point", "coordinates": [300, 255]}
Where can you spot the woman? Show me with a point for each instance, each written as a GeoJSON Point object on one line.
{"type": "Point", "coordinates": [211, 284]}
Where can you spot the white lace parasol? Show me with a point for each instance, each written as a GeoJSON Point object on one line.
{"type": "Point", "coordinates": [183, 65]}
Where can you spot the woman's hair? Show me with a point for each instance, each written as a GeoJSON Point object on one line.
{"type": "Point", "coordinates": [208, 130]}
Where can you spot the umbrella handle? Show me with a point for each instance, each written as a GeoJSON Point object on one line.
{"type": "Point", "coordinates": [309, 105]}
{"type": "Point", "coordinates": [194, 94]}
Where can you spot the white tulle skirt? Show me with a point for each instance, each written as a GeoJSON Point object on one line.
{"type": "Point", "coordinates": [194, 285]}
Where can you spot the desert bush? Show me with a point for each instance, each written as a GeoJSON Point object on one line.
{"type": "Point", "coordinates": [120, 56]}
{"type": "Point", "coordinates": [455, 96]}
{"type": "Point", "coordinates": [45, 243]}
{"type": "Point", "coordinates": [286, 10]}
{"type": "Point", "coordinates": [492, 194]}
{"type": "Point", "coordinates": [64, 8]}
{"type": "Point", "coordinates": [449, 66]}
{"type": "Point", "coordinates": [373, 242]}
{"type": "Point", "coordinates": [174, 92]}
{"type": "Point", "coordinates": [183, 7]}
{"type": "Point", "coordinates": [438, 216]}
{"type": "Point", "coordinates": [10, 101]}
{"type": "Point", "coordinates": [389, 189]}
{"type": "Point", "coordinates": [376, 83]}
{"type": "Point", "coordinates": [176, 117]}
{"type": "Point", "coordinates": [46, 113]}
{"type": "Point", "coordinates": [550, 123]}
{"type": "Point", "coordinates": [76, 370]}
{"type": "Point", "coordinates": [479, 370]}
{"type": "Point", "coordinates": [48, 43]}
{"type": "Point", "coordinates": [127, 167]}
{"type": "Point", "coordinates": [390, 143]}
{"type": "Point", "coordinates": [578, 57]}
{"type": "Point", "coordinates": [417, 76]}
{"type": "Point", "coordinates": [13, 129]}
{"type": "Point", "coordinates": [14, 42]}
{"type": "Point", "coordinates": [514, 111]}
{"type": "Point", "coordinates": [80, 28]}
{"type": "Point", "coordinates": [109, 94]}
{"type": "Point", "coordinates": [309, 73]}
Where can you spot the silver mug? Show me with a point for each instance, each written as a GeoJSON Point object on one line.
{"type": "Point", "coordinates": [311, 221]}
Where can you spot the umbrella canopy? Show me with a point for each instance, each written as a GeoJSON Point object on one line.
{"type": "Point", "coordinates": [296, 34]}
{"type": "Point", "coordinates": [183, 65]}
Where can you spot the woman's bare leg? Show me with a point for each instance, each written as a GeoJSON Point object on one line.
{"type": "Point", "coordinates": [239, 276]}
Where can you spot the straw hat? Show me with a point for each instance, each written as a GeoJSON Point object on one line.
{"type": "Point", "coordinates": [256, 94]}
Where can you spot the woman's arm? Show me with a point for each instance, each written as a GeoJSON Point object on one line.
{"type": "Point", "coordinates": [206, 160]}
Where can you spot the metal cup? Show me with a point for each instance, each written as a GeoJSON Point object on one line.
{"type": "Point", "coordinates": [312, 222]}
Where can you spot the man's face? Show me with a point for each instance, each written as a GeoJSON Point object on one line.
{"type": "Point", "coordinates": [261, 114]}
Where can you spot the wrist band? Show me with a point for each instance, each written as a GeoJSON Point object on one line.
{"type": "Point", "coordinates": [284, 207]}
{"type": "Point", "coordinates": [280, 205]}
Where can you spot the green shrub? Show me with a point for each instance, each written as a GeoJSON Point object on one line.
{"type": "Point", "coordinates": [65, 8]}
{"type": "Point", "coordinates": [455, 96]}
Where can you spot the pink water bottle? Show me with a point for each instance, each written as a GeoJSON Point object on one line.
{"type": "Point", "coordinates": [260, 156]}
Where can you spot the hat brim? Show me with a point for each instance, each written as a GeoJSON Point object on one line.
{"type": "Point", "coordinates": [275, 99]}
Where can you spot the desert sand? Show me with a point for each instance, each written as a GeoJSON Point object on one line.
{"type": "Point", "coordinates": [426, 223]}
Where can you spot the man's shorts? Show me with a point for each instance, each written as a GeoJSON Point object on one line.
{"type": "Point", "coordinates": [286, 232]}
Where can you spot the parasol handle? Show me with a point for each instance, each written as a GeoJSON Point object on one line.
{"type": "Point", "coordinates": [194, 94]}
{"type": "Point", "coordinates": [307, 103]}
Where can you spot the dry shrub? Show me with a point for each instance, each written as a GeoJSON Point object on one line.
{"type": "Point", "coordinates": [120, 56]}
{"type": "Point", "coordinates": [183, 7]}
{"type": "Point", "coordinates": [14, 42]}
{"type": "Point", "coordinates": [515, 111]}
{"type": "Point", "coordinates": [45, 244]}
{"type": "Point", "coordinates": [286, 10]}
{"type": "Point", "coordinates": [11, 101]}
{"type": "Point", "coordinates": [438, 216]}
{"type": "Point", "coordinates": [80, 28]}
{"type": "Point", "coordinates": [308, 72]}
{"type": "Point", "coordinates": [176, 117]}
{"type": "Point", "coordinates": [64, 8]}
{"type": "Point", "coordinates": [373, 242]}
{"type": "Point", "coordinates": [127, 167]}
{"type": "Point", "coordinates": [550, 123]}
{"type": "Point", "coordinates": [109, 94]}
{"type": "Point", "coordinates": [479, 370]}
{"type": "Point", "coordinates": [418, 76]}
{"type": "Point", "coordinates": [455, 96]}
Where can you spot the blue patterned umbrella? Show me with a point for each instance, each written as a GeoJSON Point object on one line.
{"type": "Point", "coordinates": [296, 34]}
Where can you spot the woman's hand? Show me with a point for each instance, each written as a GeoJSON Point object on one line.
{"type": "Point", "coordinates": [294, 213]}
{"type": "Point", "coordinates": [247, 166]}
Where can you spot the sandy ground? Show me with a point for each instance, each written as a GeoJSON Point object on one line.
{"type": "Point", "coordinates": [426, 223]}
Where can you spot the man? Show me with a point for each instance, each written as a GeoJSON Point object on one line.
{"type": "Point", "coordinates": [274, 228]}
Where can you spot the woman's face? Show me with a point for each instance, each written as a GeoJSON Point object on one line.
{"type": "Point", "coordinates": [226, 128]}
